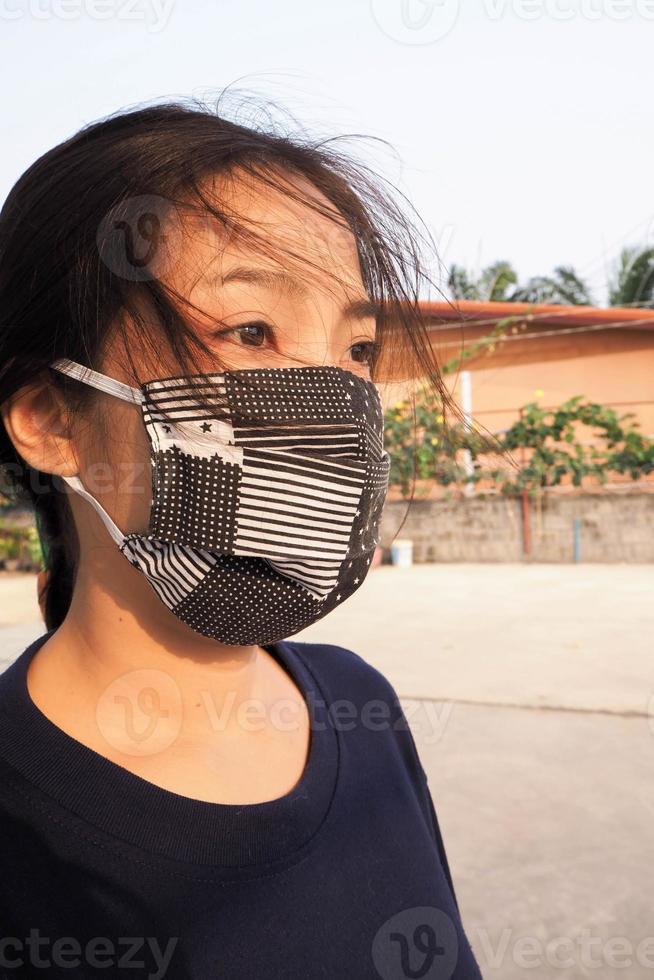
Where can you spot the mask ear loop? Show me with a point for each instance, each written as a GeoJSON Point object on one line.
{"type": "Point", "coordinates": [110, 387]}
{"type": "Point", "coordinates": [100, 381]}
{"type": "Point", "coordinates": [76, 484]}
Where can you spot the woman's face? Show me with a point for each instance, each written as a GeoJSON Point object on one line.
{"type": "Point", "coordinates": [305, 304]}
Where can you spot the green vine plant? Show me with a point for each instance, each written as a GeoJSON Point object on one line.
{"type": "Point", "coordinates": [556, 454]}
{"type": "Point", "coordinates": [543, 448]}
{"type": "Point", "coordinates": [421, 443]}
{"type": "Point", "coordinates": [423, 446]}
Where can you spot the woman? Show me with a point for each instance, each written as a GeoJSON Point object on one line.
{"type": "Point", "coordinates": [194, 314]}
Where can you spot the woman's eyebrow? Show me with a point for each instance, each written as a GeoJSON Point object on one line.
{"type": "Point", "coordinates": [357, 309]}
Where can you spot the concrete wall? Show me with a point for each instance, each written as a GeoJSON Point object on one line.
{"type": "Point", "coordinates": [614, 528]}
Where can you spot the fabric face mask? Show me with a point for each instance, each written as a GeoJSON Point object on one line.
{"type": "Point", "coordinates": [266, 498]}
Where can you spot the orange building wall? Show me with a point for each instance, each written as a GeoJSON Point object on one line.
{"type": "Point", "coordinates": [609, 378]}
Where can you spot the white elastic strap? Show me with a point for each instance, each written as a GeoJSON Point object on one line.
{"type": "Point", "coordinates": [100, 381]}
{"type": "Point", "coordinates": [76, 484]}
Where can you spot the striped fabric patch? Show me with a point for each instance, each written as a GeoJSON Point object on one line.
{"type": "Point", "coordinates": [173, 570]}
{"type": "Point", "coordinates": [296, 511]}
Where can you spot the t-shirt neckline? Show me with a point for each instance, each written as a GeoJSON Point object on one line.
{"type": "Point", "coordinates": [159, 821]}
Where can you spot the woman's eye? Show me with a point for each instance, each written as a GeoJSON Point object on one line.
{"type": "Point", "coordinates": [365, 352]}
{"type": "Point", "coordinates": [251, 334]}
{"type": "Point", "coordinates": [258, 332]}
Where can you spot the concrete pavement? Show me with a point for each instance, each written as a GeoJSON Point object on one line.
{"type": "Point", "coordinates": [530, 693]}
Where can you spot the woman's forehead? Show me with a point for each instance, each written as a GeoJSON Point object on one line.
{"type": "Point", "coordinates": [294, 216]}
{"type": "Point", "coordinates": [265, 230]}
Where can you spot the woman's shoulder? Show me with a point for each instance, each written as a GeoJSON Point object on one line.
{"type": "Point", "coordinates": [343, 671]}
{"type": "Point", "coordinates": [347, 678]}
{"type": "Point", "coordinates": [350, 683]}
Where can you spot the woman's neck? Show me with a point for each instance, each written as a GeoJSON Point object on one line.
{"type": "Point", "coordinates": [119, 644]}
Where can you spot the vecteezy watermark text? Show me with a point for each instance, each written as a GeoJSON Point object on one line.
{"type": "Point", "coordinates": [142, 953]}
{"type": "Point", "coordinates": [142, 711]}
{"type": "Point", "coordinates": [583, 951]}
{"type": "Point", "coordinates": [591, 10]}
{"type": "Point", "coordinates": [421, 22]}
{"type": "Point", "coordinates": [154, 14]}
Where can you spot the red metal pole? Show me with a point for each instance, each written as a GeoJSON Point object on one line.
{"type": "Point", "coordinates": [526, 527]}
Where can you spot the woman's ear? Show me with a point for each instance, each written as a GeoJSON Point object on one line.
{"type": "Point", "coordinates": [35, 420]}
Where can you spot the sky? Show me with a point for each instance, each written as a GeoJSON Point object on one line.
{"type": "Point", "coordinates": [517, 129]}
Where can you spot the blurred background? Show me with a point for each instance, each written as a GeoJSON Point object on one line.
{"type": "Point", "coordinates": [510, 601]}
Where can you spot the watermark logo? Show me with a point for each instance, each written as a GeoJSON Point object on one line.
{"type": "Point", "coordinates": [133, 238]}
{"type": "Point", "coordinates": [415, 22]}
{"type": "Point", "coordinates": [140, 713]}
{"type": "Point", "coordinates": [419, 942]}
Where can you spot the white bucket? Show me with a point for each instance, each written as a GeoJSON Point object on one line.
{"type": "Point", "coordinates": [402, 552]}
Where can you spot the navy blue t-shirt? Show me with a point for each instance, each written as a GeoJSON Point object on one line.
{"type": "Point", "coordinates": [104, 874]}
